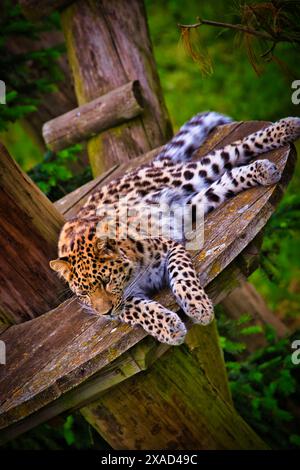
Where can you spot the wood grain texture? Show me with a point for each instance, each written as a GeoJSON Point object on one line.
{"type": "Point", "coordinates": [110, 110]}
{"type": "Point", "coordinates": [37, 9]}
{"type": "Point", "coordinates": [62, 350]}
{"type": "Point", "coordinates": [171, 406]}
{"type": "Point", "coordinates": [200, 341]}
{"type": "Point", "coordinates": [30, 225]}
{"type": "Point", "coordinates": [99, 36]}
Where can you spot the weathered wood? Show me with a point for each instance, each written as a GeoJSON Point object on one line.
{"type": "Point", "coordinates": [99, 36]}
{"type": "Point", "coordinates": [28, 239]}
{"type": "Point", "coordinates": [37, 9]}
{"type": "Point", "coordinates": [56, 353]}
{"type": "Point", "coordinates": [32, 403]}
{"type": "Point", "coordinates": [173, 406]}
{"type": "Point", "coordinates": [246, 300]}
{"type": "Point", "coordinates": [110, 110]}
{"type": "Point", "coordinates": [235, 228]}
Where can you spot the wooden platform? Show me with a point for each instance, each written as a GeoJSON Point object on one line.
{"type": "Point", "coordinates": [66, 357]}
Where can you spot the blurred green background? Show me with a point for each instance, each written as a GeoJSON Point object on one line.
{"type": "Point", "coordinates": [235, 89]}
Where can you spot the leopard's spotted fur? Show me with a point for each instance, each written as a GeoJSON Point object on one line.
{"type": "Point", "coordinates": [116, 276]}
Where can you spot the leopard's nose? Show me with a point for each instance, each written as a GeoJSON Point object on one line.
{"type": "Point", "coordinates": [109, 312]}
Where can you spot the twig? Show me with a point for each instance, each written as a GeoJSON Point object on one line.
{"type": "Point", "coordinates": [237, 27]}
{"type": "Point", "coordinates": [269, 51]}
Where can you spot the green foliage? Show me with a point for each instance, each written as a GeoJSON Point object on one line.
{"type": "Point", "coordinates": [265, 389]}
{"type": "Point", "coordinates": [27, 75]}
{"type": "Point", "coordinates": [231, 331]}
{"type": "Point", "coordinates": [265, 385]}
{"type": "Point", "coordinates": [54, 174]}
{"type": "Point", "coordinates": [61, 433]}
{"type": "Point", "coordinates": [233, 88]}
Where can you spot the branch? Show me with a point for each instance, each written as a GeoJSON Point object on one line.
{"type": "Point", "coordinates": [237, 27]}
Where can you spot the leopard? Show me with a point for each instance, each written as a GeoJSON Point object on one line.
{"type": "Point", "coordinates": [116, 273]}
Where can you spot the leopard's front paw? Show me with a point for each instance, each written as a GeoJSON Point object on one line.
{"type": "Point", "coordinates": [174, 332]}
{"type": "Point", "coordinates": [267, 172]}
{"type": "Point", "coordinates": [201, 311]}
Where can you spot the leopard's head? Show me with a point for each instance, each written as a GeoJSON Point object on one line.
{"type": "Point", "coordinates": [97, 272]}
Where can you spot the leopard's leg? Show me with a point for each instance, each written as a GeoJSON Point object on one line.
{"type": "Point", "coordinates": [158, 321]}
{"type": "Point", "coordinates": [189, 138]}
{"type": "Point", "coordinates": [260, 172]}
{"type": "Point", "coordinates": [194, 176]}
{"type": "Point", "coordinates": [186, 287]}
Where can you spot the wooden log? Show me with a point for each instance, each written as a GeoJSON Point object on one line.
{"type": "Point", "coordinates": [37, 9]}
{"type": "Point", "coordinates": [110, 110]}
{"type": "Point", "coordinates": [171, 406]}
{"type": "Point", "coordinates": [28, 239]}
{"type": "Point", "coordinates": [67, 347]}
{"type": "Point", "coordinates": [108, 46]}
{"type": "Point", "coordinates": [82, 362]}
{"type": "Point", "coordinates": [229, 232]}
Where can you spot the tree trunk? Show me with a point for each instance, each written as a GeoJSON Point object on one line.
{"type": "Point", "coordinates": [30, 225]}
{"type": "Point", "coordinates": [174, 405]}
{"type": "Point", "coordinates": [108, 45]}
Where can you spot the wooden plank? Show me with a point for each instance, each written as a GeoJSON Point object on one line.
{"type": "Point", "coordinates": [171, 406]}
{"type": "Point", "coordinates": [200, 341]}
{"type": "Point", "coordinates": [54, 354]}
{"type": "Point", "coordinates": [99, 36]}
{"type": "Point", "coordinates": [110, 110]}
{"type": "Point", "coordinates": [28, 239]}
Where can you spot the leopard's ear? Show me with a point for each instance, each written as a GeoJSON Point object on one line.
{"type": "Point", "coordinates": [61, 266]}
{"type": "Point", "coordinates": [105, 245]}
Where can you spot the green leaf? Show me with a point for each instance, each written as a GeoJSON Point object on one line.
{"type": "Point", "coordinates": [295, 439]}
{"type": "Point", "coordinates": [251, 330]}
{"type": "Point", "coordinates": [68, 431]}
{"type": "Point", "coordinates": [286, 384]}
{"type": "Point", "coordinates": [255, 376]}
{"type": "Point", "coordinates": [283, 415]}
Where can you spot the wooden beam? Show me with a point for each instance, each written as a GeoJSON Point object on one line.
{"type": "Point", "coordinates": [56, 353]}
{"type": "Point", "coordinates": [159, 393]}
{"type": "Point", "coordinates": [171, 406]}
{"type": "Point", "coordinates": [111, 355]}
{"type": "Point", "coordinates": [30, 225]}
{"type": "Point", "coordinates": [36, 9]}
{"type": "Point", "coordinates": [110, 110]}
{"type": "Point", "coordinates": [108, 45]}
